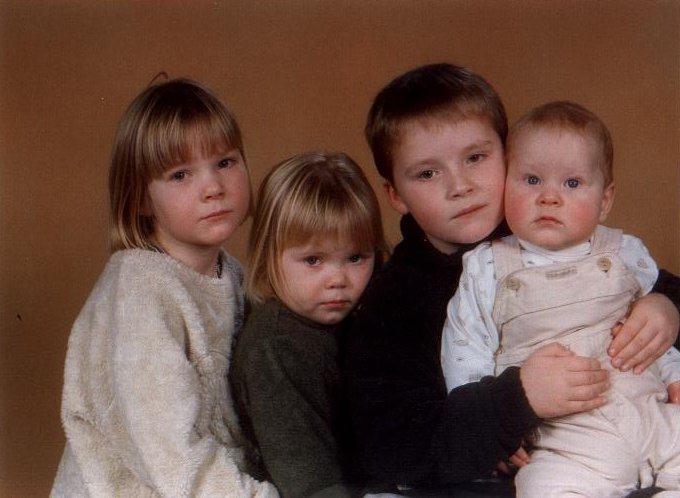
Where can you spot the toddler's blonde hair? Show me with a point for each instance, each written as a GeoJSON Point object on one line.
{"type": "Point", "coordinates": [307, 196]}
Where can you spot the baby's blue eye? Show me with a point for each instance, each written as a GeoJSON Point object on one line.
{"type": "Point", "coordinates": [533, 180]}
{"type": "Point", "coordinates": [178, 176]}
{"type": "Point", "coordinates": [572, 183]}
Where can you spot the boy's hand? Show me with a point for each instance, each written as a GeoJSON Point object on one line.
{"type": "Point", "coordinates": [558, 383]}
{"type": "Point", "coordinates": [674, 392]}
{"type": "Point", "coordinates": [519, 459]}
{"type": "Point", "coordinates": [647, 333]}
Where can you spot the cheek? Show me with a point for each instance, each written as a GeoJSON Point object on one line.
{"type": "Point", "coordinates": [516, 206]}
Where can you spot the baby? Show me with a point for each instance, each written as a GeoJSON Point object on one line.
{"type": "Point", "coordinates": [564, 278]}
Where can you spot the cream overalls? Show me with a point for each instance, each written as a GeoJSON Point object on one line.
{"type": "Point", "coordinates": [603, 452]}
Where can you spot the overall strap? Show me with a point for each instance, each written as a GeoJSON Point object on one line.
{"type": "Point", "coordinates": [605, 240]}
{"type": "Point", "coordinates": [506, 255]}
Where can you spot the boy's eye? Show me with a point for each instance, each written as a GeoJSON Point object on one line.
{"type": "Point", "coordinates": [572, 183]}
{"type": "Point", "coordinates": [178, 176]}
{"type": "Point", "coordinates": [475, 158]}
{"type": "Point", "coordinates": [533, 180]}
{"type": "Point", "coordinates": [312, 260]}
{"type": "Point", "coordinates": [426, 174]}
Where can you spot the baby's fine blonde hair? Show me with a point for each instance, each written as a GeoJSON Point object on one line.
{"type": "Point", "coordinates": [165, 125]}
{"type": "Point", "coordinates": [304, 197]}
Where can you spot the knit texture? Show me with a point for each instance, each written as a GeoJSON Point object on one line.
{"type": "Point", "coordinates": [146, 407]}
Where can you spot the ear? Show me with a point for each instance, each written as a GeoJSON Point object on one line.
{"type": "Point", "coordinates": [394, 199]}
{"type": "Point", "coordinates": [607, 201]}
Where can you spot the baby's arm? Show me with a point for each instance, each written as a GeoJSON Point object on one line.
{"type": "Point", "coordinates": [652, 326]}
{"type": "Point", "coordinates": [470, 338]}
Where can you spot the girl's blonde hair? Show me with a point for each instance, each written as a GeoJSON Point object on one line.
{"type": "Point", "coordinates": [307, 196]}
{"type": "Point", "coordinates": [167, 124]}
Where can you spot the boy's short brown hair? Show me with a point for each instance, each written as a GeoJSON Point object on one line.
{"type": "Point", "coordinates": [436, 91]}
{"type": "Point", "coordinates": [569, 115]}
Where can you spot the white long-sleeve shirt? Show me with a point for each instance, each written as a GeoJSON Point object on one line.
{"type": "Point", "coordinates": [470, 337]}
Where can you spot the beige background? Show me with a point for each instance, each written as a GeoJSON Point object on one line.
{"type": "Point", "coordinates": [299, 75]}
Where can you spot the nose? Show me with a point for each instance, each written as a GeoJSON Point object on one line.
{"type": "Point", "coordinates": [213, 185]}
{"type": "Point", "coordinates": [458, 185]}
{"type": "Point", "coordinates": [337, 278]}
{"type": "Point", "coordinates": [549, 197]}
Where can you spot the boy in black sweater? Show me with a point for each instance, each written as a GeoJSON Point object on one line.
{"type": "Point", "coordinates": [437, 134]}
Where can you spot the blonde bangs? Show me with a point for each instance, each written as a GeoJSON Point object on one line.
{"type": "Point", "coordinates": [177, 135]}
{"type": "Point", "coordinates": [310, 197]}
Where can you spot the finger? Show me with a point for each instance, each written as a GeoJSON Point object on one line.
{"type": "Point", "coordinates": [522, 454]}
{"type": "Point", "coordinates": [581, 363]}
{"type": "Point", "coordinates": [616, 329]}
{"type": "Point", "coordinates": [516, 461]}
{"type": "Point", "coordinates": [650, 351]}
{"type": "Point", "coordinates": [631, 338]}
{"type": "Point", "coordinates": [587, 377]}
{"type": "Point", "coordinates": [554, 349]}
{"type": "Point", "coordinates": [589, 392]}
{"type": "Point", "coordinates": [503, 467]}
{"type": "Point", "coordinates": [586, 406]}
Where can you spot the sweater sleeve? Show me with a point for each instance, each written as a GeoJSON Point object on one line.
{"type": "Point", "coordinates": [408, 430]}
{"type": "Point", "coordinates": [289, 405]}
{"type": "Point", "coordinates": [669, 285]}
{"type": "Point", "coordinates": [160, 394]}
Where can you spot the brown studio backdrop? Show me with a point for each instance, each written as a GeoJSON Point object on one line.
{"type": "Point", "coordinates": [300, 75]}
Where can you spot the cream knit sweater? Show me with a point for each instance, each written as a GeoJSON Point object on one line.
{"type": "Point", "coordinates": [146, 407]}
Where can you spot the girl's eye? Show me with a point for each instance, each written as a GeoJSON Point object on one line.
{"type": "Point", "coordinates": [312, 260]}
{"type": "Point", "coordinates": [355, 258]}
{"type": "Point", "coordinates": [426, 174]}
{"type": "Point", "coordinates": [178, 176]}
{"type": "Point", "coordinates": [225, 162]}
{"type": "Point", "coordinates": [533, 180]}
{"type": "Point", "coordinates": [572, 183]}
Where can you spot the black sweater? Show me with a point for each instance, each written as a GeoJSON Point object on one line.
{"type": "Point", "coordinates": [407, 429]}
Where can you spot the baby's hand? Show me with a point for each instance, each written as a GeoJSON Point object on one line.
{"type": "Point", "coordinates": [674, 392]}
{"type": "Point", "coordinates": [649, 331]}
{"type": "Point", "coordinates": [557, 382]}
{"type": "Point", "coordinates": [519, 459]}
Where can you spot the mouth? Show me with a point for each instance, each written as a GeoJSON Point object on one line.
{"type": "Point", "coordinates": [336, 304]}
{"type": "Point", "coordinates": [216, 215]}
{"type": "Point", "coordinates": [469, 210]}
{"type": "Point", "coordinates": [547, 220]}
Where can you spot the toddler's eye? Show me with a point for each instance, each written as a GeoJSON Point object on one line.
{"type": "Point", "coordinates": [355, 258]}
{"type": "Point", "coordinates": [426, 174]}
{"type": "Point", "coordinates": [533, 180]}
{"type": "Point", "coordinates": [178, 176]}
{"type": "Point", "coordinates": [572, 183]}
{"type": "Point", "coordinates": [312, 260]}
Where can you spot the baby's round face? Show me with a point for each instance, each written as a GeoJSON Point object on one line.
{"type": "Point", "coordinates": [554, 192]}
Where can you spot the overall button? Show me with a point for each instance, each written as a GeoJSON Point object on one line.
{"type": "Point", "coordinates": [604, 264]}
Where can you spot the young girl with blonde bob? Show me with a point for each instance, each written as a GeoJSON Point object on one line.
{"type": "Point", "coordinates": [145, 407]}
{"type": "Point", "coordinates": [316, 237]}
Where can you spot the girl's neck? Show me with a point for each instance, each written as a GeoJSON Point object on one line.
{"type": "Point", "coordinates": [204, 261]}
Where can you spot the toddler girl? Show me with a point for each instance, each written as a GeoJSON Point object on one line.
{"type": "Point", "coordinates": [564, 278]}
{"type": "Point", "coordinates": [145, 407]}
{"type": "Point", "coordinates": [315, 239]}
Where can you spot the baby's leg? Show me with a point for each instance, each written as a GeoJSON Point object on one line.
{"type": "Point", "coordinates": [551, 475]}
{"type": "Point", "coordinates": [665, 458]}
